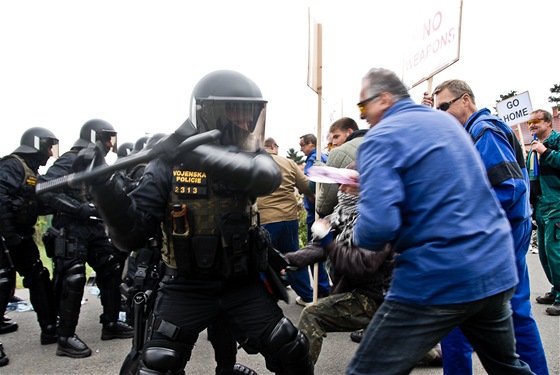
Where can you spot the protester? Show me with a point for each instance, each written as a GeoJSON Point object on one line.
{"type": "Point", "coordinates": [348, 140]}
{"type": "Point", "coordinates": [422, 184]}
{"type": "Point", "coordinates": [546, 189]}
{"type": "Point", "coordinates": [504, 160]}
{"type": "Point", "coordinates": [360, 277]}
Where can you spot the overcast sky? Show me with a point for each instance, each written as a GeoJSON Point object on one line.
{"type": "Point", "coordinates": [135, 63]}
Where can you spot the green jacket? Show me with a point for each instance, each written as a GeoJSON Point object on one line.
{"type": "Point", "coordinates": [548, 174]}
{"type": "Point", "coordinates": [339, 157]}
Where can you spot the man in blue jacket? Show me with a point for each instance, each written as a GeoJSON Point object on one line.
{"type": "Point", "coordinates": [503, 158]}
{"type": "Point", "coordinates": [422, 185]}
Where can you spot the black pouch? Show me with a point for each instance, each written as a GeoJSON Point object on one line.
{"type": "Point", "coordinates": [260, 242]}
{"type": "Point", "coordinates": [72, 249]}
{"type": "Point", "coordinates": [59, 243]}
{"type": "Point", "coordinates": [205, 249]}
{"type": "Point", "coordinates": [49, 239]}
{"type": "Point", "coordinates": [182, 250]}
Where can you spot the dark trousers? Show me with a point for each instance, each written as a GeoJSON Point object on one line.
{"type": "Point", "coordinates": [248, 309]}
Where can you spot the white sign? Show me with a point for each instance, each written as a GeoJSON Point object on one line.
{"type": "Point", "coordinates": [435, 41]}
{"type": "Point", "coordinates": [516, 109]}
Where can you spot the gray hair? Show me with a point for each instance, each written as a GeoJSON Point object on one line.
{"type": "Point", "coordinates": [547, 115]}
{"type": "Point", "coordinates": [456, 87]}
{"type": "Point", "coordinates": [383, 80]}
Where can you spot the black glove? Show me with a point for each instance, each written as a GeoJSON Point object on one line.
{"type": "Point", "coordinates": [88, 211]}
{"type": "Point", "coordinates": [89, 157]}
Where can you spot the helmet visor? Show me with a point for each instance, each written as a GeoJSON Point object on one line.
{"type": "Point", "coordinates": [109, 140]}
{"type": "Point", "coordinates": [242, 122]}
{"type": "Point", "coordinates": [46, 145]}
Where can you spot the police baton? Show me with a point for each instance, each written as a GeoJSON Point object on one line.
{"type": "Point", "coordinates": [73, 179]}
{"type": "Point", "coordinates": [7, 257]}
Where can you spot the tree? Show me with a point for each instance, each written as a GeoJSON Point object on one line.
{"type": "Point", "coordinates": [555, 99]}
{"type": "Point", "coordinates": [293, 154]}
{"type": "Point", "coordinates": [504, 97]}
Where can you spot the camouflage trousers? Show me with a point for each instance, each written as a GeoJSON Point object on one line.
{"type": "Point", "coordinates": [343, 312]}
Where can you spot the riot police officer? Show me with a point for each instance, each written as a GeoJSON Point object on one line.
{"type": "Point", "coordinates": [214, 250]}
{"type": "Point", "coordinates": [81, 237]}
{"type": "Point", "coordinates": [124, 149]}
{"type": "Point", "coordinates": [19, 209]}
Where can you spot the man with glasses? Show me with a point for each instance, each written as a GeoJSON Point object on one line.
{"type": "Point", "coordinates": [503, 158]}
{"type": "Point", "coordinates": [422, 187]}
{"type": "Point", "coordinates": [546, 203]}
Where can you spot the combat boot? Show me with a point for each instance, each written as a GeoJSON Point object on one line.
{"type": "Point", "coordinates": [7, 327]}
{"type": "Point", "coordinates": [48, 335]}
{"type": "Point", "coordinates": [238, 369]}
{"type": "Point", "coordinates": [3, 357]}
{"type": "Point", "coordinates": [72, 347]}
{"type": "Point", "coordinates": [116, 330]}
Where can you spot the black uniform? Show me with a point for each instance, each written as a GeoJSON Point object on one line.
{"type": "Point", "coordinates": [18, 214]}
{"type": "Point", "coordinates": [214, 252]}
{"type": "Point", "coordinates": [81, 238]}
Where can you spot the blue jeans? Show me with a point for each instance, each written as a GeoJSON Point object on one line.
{"type": "Point", "coordinates": [284, 235]}
{"type": "Point", "coordinates": [399, 335]}
{"type": "Point", "coordinates": [457, 351]}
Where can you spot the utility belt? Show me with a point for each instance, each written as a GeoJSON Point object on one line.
{"type": "Point", "coordinates": [67, 218]}
{"type": "Point", "coordinates": [59, 245]}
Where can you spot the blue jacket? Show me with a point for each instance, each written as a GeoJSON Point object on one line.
{"type": "Point", "coordinates": [506, 171]}
{"type": "Point", "coordinates": [423, 187]}
{"type": "Point", "coordinates": [309, 162]}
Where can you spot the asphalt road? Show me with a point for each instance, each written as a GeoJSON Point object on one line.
{"type": "Point", "coordinates": [28, 357]}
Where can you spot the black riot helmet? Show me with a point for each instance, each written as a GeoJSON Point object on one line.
{"type": "Point", "coordinates": [38, 140]}
{"type": "Point", "coordinates": [232, 103]}
{"type": "Point", "coordinates": [140, 144]}
{"type": "Point", "coordinates": [124, 149]}
{"type": "Point", "coordinates": [97, 130]}
{"type": "Point", "coordinates": [153, 139]}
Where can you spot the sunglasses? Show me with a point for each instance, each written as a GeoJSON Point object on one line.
{"type": "Point", "coordinates": [535, 121]}
{"type": "Point", "coordinates": [362, 105]}
{"type": "Point", "coordinates": [445, 106]}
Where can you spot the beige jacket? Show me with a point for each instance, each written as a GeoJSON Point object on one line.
{"type": "Point", "coordinates": [282, 204]}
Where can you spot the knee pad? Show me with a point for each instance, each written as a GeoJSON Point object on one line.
{"type": "Point", "coordinates": [291, 349]}
{"type": "Point", "coordinates": [287, 340]}
{"type": "Point", "coordinates": [75, 278]}
{"type": "Point", "coordinates": [163, 357]}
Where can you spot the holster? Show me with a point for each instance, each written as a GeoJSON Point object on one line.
{"type": "Point", "coordinates": [58, 244]}
{"type": "Point", "coordinates": [49, 239]}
